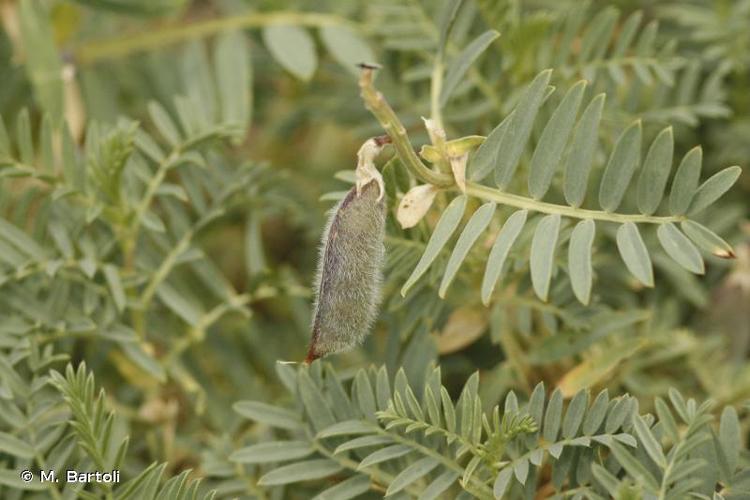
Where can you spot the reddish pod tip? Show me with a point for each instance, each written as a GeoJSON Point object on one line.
{"type": "Point", "coordinates": [311, 355]}
{"type": "Point", "coordinates": [382, 140]}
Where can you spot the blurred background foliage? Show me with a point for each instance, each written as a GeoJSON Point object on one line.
{"type": "Point", "coordinates": [166, 165]}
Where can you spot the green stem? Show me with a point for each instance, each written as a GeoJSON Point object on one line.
{"type": "Point", "coordinates": [380, 108]}
{"type": "Point", "coordinates": [164, 269]}
{"type": "Point", "coordinates": [375, 474]}
{"type": "Point", "coordinates": [376, 103]}
{"type": "Point", "coordinates": [437, 130]}
{"type": "Point", "coordinates": [213, 315]}
{"type": "Point", "coordinates": [433, 429]}
{"type": "Point", "coordinates": [436, 88]}
{"type": "Point", "coordinates": [98, 50]}
{"type": "Point", "coordinates": [485, 88]}
{"type": "Point", "coordinates": [53, 491]}
{"type": "Point", "coordinates": [129, 237]}
{"type": "Point", "coordinates": [665, 482]}
{"type": "Point", "coordinates": [151, 189]}
{"type": "Point", "coordinates": [198, 332]}
{"type": "Point", "coordinates": [52, 488]}
{"type": "Point", "coordinates": [482, 84]}
{"type": "Point", "coordinates": [514, 200]}
{"type": "Point", "coordinates": [252, 486]}
{"type": "Point", "coordinates": [475, 487]}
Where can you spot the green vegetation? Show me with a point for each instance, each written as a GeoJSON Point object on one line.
{"type": "Point", "coordinates": [565, 306]}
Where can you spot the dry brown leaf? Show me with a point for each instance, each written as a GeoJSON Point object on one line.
{"type": "Point", "coordinates": [464, 326]}
{"type": "Point", "coordinates": [75, 111]}
{"type": "Point", "coordinates": [596, 367]}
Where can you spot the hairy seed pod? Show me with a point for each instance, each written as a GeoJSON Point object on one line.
{"type": "Point", "coordinates": [349, 272]}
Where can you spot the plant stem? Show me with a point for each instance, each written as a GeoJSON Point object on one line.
{"type": "Point", "coordinates": [436, 88]}
{"type": "Point", "coordinates": [53, 491]}
{"type": "Point", "coordinates": [98, 50]}
{"type": "Point", "coordinates": [252, 486]}
{"type": "Point", "coordinates": [482, 84]}
{"type": "Point", "coordinates": [164, 269]}
{"type": "Point", "coordinates": [514, 200]}
{"type": "Point", "coordinates": [378, 476]}
{"type": "Point", "coordinates": [376, 103]}
{"type": "Point", "coordinates": [129, 237]}
{"type": "Point", "coordinates": [152, 188]}
{"type": "Point", "coordinates": [475, 486]}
